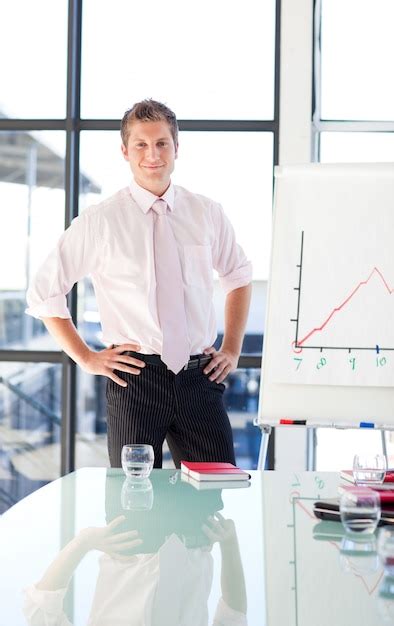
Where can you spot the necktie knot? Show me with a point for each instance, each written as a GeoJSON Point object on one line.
{"type": "Point", "coordinates": [159, 206]}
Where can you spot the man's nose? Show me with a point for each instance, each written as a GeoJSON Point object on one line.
{"type": "Point", "coordinates": [152, 153]}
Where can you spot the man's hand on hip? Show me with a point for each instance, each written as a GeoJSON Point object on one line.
{"type": "Point", "coordinates": [223, 362]}
{"type": "Point", "coordinates": [110, 359]}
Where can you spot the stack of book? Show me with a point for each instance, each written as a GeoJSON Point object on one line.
{"type": "Point", "coordinates": [385, 489]}
{"type": "Point", "coordinates": [214, 475]}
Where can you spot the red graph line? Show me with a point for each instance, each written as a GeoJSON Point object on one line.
{"type": "Point", "coordinates": [338, 308]}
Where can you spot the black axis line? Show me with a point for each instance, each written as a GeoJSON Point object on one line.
{"type": "Point", "coordinates": [299, 289]}
{"type": "Point", "coordinates": [321, 348]}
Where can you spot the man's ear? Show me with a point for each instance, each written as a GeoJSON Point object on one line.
{"type": "Point", "coordinates": [176, 150]}
{"type": "Point", "coordinates": [124, 151]}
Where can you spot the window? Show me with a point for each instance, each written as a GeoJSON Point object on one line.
{"type": "Point", "coordinates": [60, 152]}
{"type": "Point", "coordinates": [202, 62]}
{"type": "Point", "coordinates": [353, 122]}
{"type": "Point", "coordinates": [32, 197]}
{"type": "Point", "coordinates": [33, 49]}
{"type": "Point", "coordinates": [30, 428]}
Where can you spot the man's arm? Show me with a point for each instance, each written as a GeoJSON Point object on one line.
{"type": "Point", "coordinates": [103, 362]}
{"type": "Point", "coordinates": [225, 360]}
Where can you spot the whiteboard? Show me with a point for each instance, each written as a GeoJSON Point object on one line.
{"type": "Point", "coordinates": [328, 355]}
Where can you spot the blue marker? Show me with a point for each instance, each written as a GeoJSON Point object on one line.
{"type": "Point", "coordinates": [367, 425]}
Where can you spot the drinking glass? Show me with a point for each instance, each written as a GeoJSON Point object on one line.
{"type": "Point", "coordinates": [358, 554]}
{"type": "Point", "coordinates": [137, 460]}
{"type": "Point", "coordinates": [360, 510]}
{"type": "Point", "coordinates": [136, 495]}
{"type": "Point", "coordinates": [369, 469]}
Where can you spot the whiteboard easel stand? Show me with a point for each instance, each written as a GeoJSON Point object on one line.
{"type": "Point", "coordinates": [265, 435]}
{"type": "Point", "coordinates": [266, 430]}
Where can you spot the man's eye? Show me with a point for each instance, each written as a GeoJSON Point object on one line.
{"type": "Point", "coordinates": [162, 144]}
{"type": "Point", "coordinates": [140, 145]}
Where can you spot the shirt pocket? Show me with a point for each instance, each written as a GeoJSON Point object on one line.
{"type": "Point", "coordinates": [198, 266]}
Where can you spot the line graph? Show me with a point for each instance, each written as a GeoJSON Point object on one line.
{"type": "Point", "coordinates": [330, 302]}
{"type": "Point", "coordinates": [299, 344]}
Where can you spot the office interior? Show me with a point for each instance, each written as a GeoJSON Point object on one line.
{"type": "Point", "coordinates": [275, 82]}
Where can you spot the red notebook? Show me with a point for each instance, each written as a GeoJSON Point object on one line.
{"type": "Point", "coordinates": [385, 495]}
{"type": "Point", "coordinates": [213, 471]}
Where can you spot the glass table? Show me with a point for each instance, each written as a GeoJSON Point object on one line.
{"type": "Point", "coordinates": [93, 548]}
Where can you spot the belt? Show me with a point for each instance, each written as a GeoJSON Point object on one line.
{"type": "Point", "coordinates": [195, 361]}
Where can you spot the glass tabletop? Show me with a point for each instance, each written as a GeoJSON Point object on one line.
{"type": "Point", "coordinates": [94, 548]}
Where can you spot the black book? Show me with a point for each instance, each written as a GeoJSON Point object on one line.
{"type": "Point", "coordinates": [329, 510]}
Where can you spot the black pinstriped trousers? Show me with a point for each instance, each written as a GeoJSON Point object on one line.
{"type": "Point", "coordinates": [186, 409]}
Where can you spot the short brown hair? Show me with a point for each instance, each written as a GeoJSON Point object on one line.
{"type": "Point", "coordinates": [148, 111]}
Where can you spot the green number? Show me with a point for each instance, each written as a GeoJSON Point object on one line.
{"type": "Point", "coordinates": [319, 482]}
{"type": "Point", "coordinates": [298, 364]}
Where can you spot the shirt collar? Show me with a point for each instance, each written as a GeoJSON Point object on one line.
{"type": "Point", "coordinates": [145, 198]}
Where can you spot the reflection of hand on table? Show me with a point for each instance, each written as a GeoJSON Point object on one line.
{"type": "Point", "coordinates": [106, 540]}
{"type": "Point", "coordinates": [221, 530]}
{"type": "Point", "coordinates": [59, 572]}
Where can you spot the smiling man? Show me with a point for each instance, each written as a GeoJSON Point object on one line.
{"type": "Point", "coordinates": [150, 251]}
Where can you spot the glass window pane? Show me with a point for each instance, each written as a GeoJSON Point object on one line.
{"type": "Point", "coordinates": [213, 158]}
{"type": "Point", "coordinates": [206, 163]}
{"type": "Point", "coordinates": [345, 443]}
{"type": "Point", "coordinates": [30, 413]}
{"type": "Point", "coordinates": [31, 221]}
{"type": "Point", "coordinates": [33, 51]}
{"type": "Point", "coordinates": [241, 401]}
{"type": "Point", "coordinates": [91, 436]}
{"type": "Point", "coordinates": [214, 62]}
{"type": "Point", "coordinates": [357, 52]}
{"type": "Point", "coordinates": [356, 147]}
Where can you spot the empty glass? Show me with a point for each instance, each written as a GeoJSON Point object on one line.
{"type": "Point", "coordinates": [360, 510]}
{"type": "Point", "coordinates": [369, 469]}
{"type": "Point", "coordinates": [137, 460]}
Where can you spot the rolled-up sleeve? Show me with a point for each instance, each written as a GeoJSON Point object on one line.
{"type": "Point", "coordinates": [44, 607]}
{"type": "Point", "coordinates": [229, 259]}
{"type": "Point", "coordinates": [73, 258]}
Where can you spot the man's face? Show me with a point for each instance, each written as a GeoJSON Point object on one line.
{"type": "Point", "coordinates": [151, 153]}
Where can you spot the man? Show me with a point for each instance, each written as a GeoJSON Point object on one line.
{"type": "Point", "coordinates": [150, 250]}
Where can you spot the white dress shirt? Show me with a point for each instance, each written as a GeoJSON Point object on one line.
{"type": "Point", "coordinates": [112, 242]}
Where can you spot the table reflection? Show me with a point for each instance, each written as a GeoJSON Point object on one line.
{"type": "Point", "coordinates": [156, 567]}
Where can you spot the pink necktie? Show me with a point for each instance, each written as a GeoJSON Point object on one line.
{"type": "Point", "coordinates": [169, 292]}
